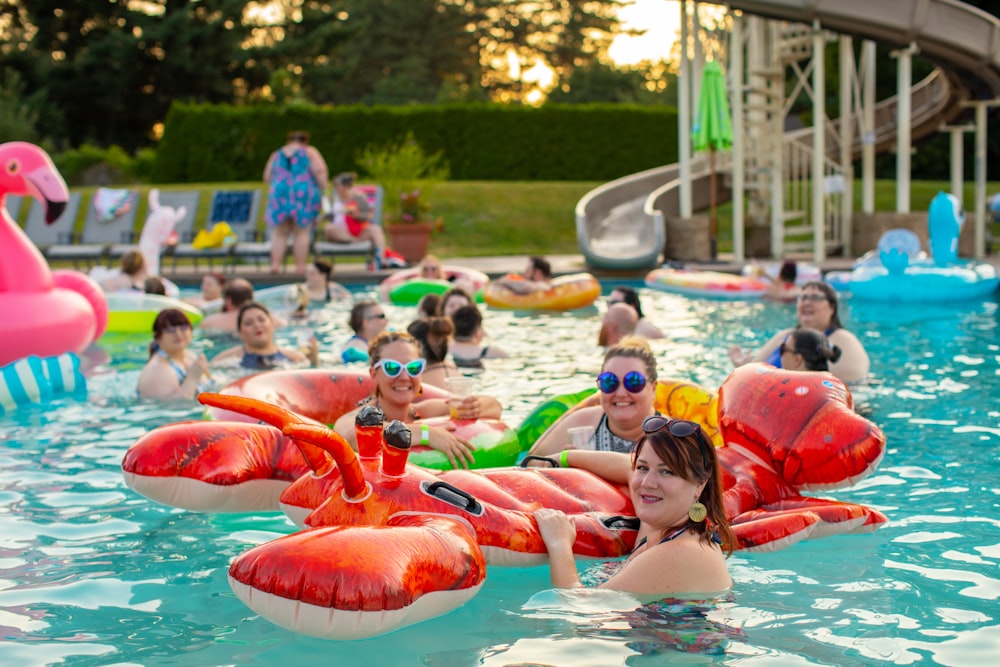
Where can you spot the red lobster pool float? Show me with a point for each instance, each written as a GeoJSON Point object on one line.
{"type": "Point", "coordinates": [784, 430]}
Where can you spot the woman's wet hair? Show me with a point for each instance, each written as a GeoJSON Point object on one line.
{"type": "Point", "coordinates": [631, 297]}
{"type": "Point", "coordinates": [450, 294]}
{"type": "Point", "coordinates": [816, 349]}
{"type": "Point", "coordinates": [250, 306]}
{"type": "Point", "coordinates": [633, 347]}
{"type": "Point", "coordinates": [324, 267]}
{"type": "Point", "coordinates": [428, 304]}
{"type": "Point", "coordinates": [432, 334]}
{"type": "Point", "coordinates": [831, 297]}
{"type": "Point", "coordinates": [467, 321]}
{"type": "Point", "coordinates": [694, 458]}
{"type": "Point", "coordinates": [788, 271]}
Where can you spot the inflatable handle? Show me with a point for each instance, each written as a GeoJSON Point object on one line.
{"type": "Point", "coordinates": [622, 522]}
{"type": "Point", "coordinates": [531, 457]}
{"type": "Point", "coordinates": [446, 492]}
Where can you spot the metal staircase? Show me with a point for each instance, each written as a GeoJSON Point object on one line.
{"type": "Point", "coordinates": [778, 167]}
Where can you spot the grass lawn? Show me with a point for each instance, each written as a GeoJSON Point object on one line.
{"type": "Point", "coordinates": [521, 218]}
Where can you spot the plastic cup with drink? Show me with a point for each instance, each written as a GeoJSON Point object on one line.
{"type": "Point", "coordinates": [459, 387]}
{"type": "Point", "coordinates": [583, 437]}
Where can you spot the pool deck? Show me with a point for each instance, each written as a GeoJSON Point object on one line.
{"type": "Point", "coordinates": [354, 273]}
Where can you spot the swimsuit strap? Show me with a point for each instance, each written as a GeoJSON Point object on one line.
{"type": "Point", "coordinates": [178, 369]}
{"type": "Point", "coordinates": [677, 533]}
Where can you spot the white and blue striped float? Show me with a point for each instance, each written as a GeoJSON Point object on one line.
{"type": "Point", "coordinates": [36, 380]}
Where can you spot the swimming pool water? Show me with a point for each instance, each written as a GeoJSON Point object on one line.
{"type": "Point", "coordinates": [93, 574]}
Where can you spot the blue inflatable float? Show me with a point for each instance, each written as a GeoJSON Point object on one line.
{"type": "Point", "coordinates": [36, 380]}
{"type": "Point", "coordinates": [900, 272]}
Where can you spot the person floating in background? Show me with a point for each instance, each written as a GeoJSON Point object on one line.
{"type": "Point", "coordinates": [258, 350]}
{"type": "Point", "coordinates": [235, 294]}
{"type": "Point", "coordinates": [172, 371]}
{"type": "Point", "coordinates": [320, 285]}
{"type": "Point", "coordinates": [131, 274]}
{"type": "Point", "coordinates": [808, 350]}
{"type": "Point", "coordinates": [467, 347]}
{"type": "Point", "coordinates": [684, 538]}
{"type": "Point", "coordinates": [432, 333]}
{"type": "Point", "coordinates": [296, 175]}
{"type": "Point", "coordinates": [628, 295]}
{"type": "Point", "coordinates": [783, 287]}
{"type": "Point", "coordinates": [535, 278]}
{"type": "Point", "coordinates": [367, 320]}
{"type": "Point", "coordinates": [817, 309]}
{"type": "Point", "coordinates": [620, 321]}
{"type": "Point", "coordinates": [212, 284]}
{"type": "Point", "coordinates": [352, 218]}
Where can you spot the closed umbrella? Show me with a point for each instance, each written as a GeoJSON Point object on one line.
{"type": "Point", "coordinates": [712, 131]}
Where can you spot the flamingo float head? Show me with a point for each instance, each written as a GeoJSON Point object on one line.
{"type": "Point", "coordinates": [25, 169]}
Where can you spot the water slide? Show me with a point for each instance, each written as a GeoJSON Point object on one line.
{"type": "Point", "coordinates": [620, 224]}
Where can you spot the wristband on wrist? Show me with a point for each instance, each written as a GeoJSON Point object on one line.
{"type": "Point", "coordinates": [425, 434]}
{"type": "Point", "coordinates": [563, 461]}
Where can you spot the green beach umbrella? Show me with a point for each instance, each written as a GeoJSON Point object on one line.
{"type": "Point", "coordinates": [712, 130]}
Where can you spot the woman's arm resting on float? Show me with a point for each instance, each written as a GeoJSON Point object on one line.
{"type": "Point", "coordinates": [615, 467]}
{"type": "Point", "coordinates": [556, 437]}
{"type": "Point", "coordinates": [558, 533]}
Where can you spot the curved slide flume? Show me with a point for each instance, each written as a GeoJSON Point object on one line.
{"type": "Point", "coordinates": [619, 224]}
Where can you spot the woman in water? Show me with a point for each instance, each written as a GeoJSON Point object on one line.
{"type": "Point", "coordinates": [627, 386]}
{"type": "Point", "coordinates": [172, 370]}
{"type": "Point", "coordinates": [259, 351]}
{"type": "Point", "coordinates": [684, 538]}
{"type": "Point", "coordinates": [396, 367]}
{"type": "Point", "coordinates": [367, 320]}
{"type": "Point", "coordinates": [808, 350]}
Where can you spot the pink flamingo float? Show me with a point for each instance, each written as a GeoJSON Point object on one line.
{"type": "Point", "coordinates": [47, 312]}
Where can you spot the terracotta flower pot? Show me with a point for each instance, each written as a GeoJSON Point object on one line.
{"type": "Point", "coordinates": [410, 239]}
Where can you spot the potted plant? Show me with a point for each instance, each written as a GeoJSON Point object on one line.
{"type": "Point", "coordinates": [407, 174]}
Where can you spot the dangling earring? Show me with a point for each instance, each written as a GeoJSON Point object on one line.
{"type": "Point", "coordinates": [697, 512]}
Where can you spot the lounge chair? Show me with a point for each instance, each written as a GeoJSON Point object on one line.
{"type": "Point", "coordinates": [321, 247]}
{"type": "Point", "coordinates": [240, 210]}
{"type": "Point", "coordinates": [101, 235]}
{"type": "Point", "coordinates": [60, 232]}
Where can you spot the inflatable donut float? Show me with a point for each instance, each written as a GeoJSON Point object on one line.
{"type": "Point", "coordinates": [577, 290]}
{"type": "Point", "coordinates": [135, 312]}
{"type": "Point", "coordinates": [407, 287]}
{"type": "Point", "coordinates": [710, 284]}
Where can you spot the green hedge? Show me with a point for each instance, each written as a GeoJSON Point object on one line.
{"type": "Point", "coordinates": [593, 142]}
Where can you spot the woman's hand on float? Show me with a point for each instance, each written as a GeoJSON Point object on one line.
{"type": "Point", "coordinates": [312, 351]}
{"type": "Point", "coordinates": [556, 529]}
{"type": "Point", "coordinates": [739, 356]}
{"type": "Point", "coordinates": [458, 451]}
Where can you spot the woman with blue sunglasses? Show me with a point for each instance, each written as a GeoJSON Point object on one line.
{"type": "Point", "coordinates": [396, 367]}
{"type": "Point", "coordinates": [626, 387]}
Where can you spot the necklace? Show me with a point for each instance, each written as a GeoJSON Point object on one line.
{"type": "Point", "coordinates": [675, 534]}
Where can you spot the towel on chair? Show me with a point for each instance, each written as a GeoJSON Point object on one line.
{"type": "Point", "coordinates": [110, 204]}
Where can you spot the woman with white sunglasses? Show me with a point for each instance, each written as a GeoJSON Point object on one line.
{"type": "Point", "coordinates": [627, 389]}
{"type": "Point", "coordinates": [396, 367]}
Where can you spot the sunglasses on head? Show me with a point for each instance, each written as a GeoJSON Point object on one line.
{"type": "Point", "coordinates": [393, 368]}
{"type": "Point", "coordinates": [634, 382]}
{"type": "Point", "coordinates": [679, 428]}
